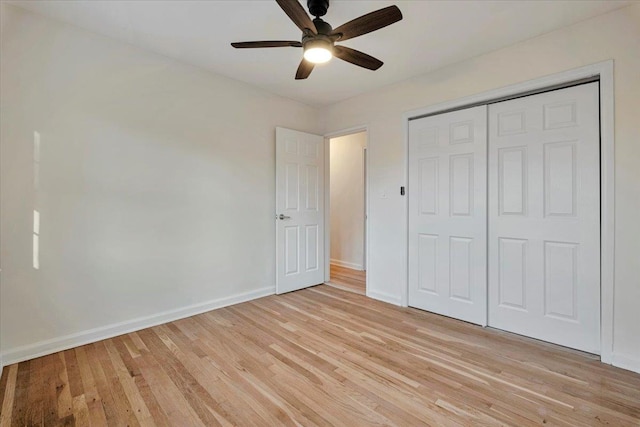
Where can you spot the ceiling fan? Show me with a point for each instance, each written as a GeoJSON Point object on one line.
{"type": "Point", "coordinates": [319, 38]}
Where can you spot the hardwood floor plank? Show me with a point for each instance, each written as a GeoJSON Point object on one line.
{"type": "Point", "coordinates": [367, 378]}
{"type": "Point", "coordinates": [49, 389]}
{"type": "Point", "coordinates": [3, 384]}
{"type": "Point", "coordinates": [107, 401]}
{"type": "Point", "coordinates": [12, 386]}
{"type": "Point", "coordinates": [63, 390]}
{"type": "Point", "coordinates": [121, 412]}
{"type": "Point", "coordinates": [35, 415]}
{"type": "Point", "coordinates": [156, 410]}
{"type": "Point", "coordinates": [320, 356]}
{"type": "Point", "coordinates": [256, 393]}
{"type": "Point", "coordinates": [236, 364]}
{"type": "Point", "coordinates": [73, 373]}
{"type": "Point", "coordinates": [209, 388]}
{"type": "Point", "coordinates": [347, 279]}
{"type": "Point", "coordinates": [20, 398]}
{"type": "Point", "coordinates": [178, 384]}
{"type": "Point", "coordinates": [138, 407]}
{"type": "Point", "coordinates": [92, 398]}
{"type": "Point", "coordinates": [80, 411]}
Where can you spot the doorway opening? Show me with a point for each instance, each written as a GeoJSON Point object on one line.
{"type": "Point", "coordinates": [348, 212]}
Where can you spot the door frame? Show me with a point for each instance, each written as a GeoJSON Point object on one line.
{"type": "Point", "coordinates": [602, 71]}
{"type": "Point", "coordinates": [327, 200]}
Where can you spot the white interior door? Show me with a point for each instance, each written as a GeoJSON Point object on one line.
{"type": "Point", "coordinates": [448, 214]}
{"type": "Point", "coordinates": [544, 217]}
{"type": "Point", "coordinates": [299, 210]}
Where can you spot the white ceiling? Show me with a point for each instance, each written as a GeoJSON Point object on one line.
{"type": "Point", "coordinates": [432, 34]}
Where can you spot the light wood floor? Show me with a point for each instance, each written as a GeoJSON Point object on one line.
{"type": "Point", "coordinates": [319, 356]}
{"type": "Point", "coordinates": [348, 279]}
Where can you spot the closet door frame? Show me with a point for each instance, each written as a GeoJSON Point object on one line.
{"type": "Point", "coordinates": [602, 72]}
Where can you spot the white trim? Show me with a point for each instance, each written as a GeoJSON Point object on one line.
{"type": "Point", "coordinates": [365, 173]}
{"type": "Point", "coordinates": [65, 342]}
{"type": "Point", "coordinates": [540, 83]}
{"type": "Point", "coordinates": [607, 209]}
{"type": "Point", "coordinates": [351, 265]}
{"type": "Point", "coordinates": [625, 362]}
{"type": "Point", "coordinates": [367, 198]}
{"type": "Point", "coordinates": [327, 204]}
{"type": "Point", "coordinates": [603, 70]}
{"type": "Point", "coordinates": [404, 296]}
{"type": "Point", "coordinates": [384, 297]}
{"type": "Point", "coordinates": [348, 131]}
{"type": "Point", "coordinates": [327, 209]}
{"type": "Point", "coordinates": [344, 288]}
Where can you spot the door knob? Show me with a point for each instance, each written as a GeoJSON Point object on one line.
{"type": "Point", "coordinates": [282, 216]}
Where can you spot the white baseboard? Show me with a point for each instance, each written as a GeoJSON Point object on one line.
{"type": "Point", "coordinates": [385, 297]}
{"type": "Point", "coordinates": [346, 264]}
{"type": "Point", "coordinates": [53, 345]}
{"type": "Point", "coordinates": [625, 362]}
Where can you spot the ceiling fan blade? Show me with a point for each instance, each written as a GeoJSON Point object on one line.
{"type": "Point", "coordinates": [356, 57]}
{"type": "Point", "coordinates": [296, 13]}
{"type": "Point", "coordinates": [367, 23]}
{"type": "Point", "coordinates": [272, 43]}
{"type": "Point", "coordinates": [304, 69]}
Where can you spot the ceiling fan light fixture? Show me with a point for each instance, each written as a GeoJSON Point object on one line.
{"type": "Point", "coordinates": [319, 37]}
{"type": "Point", "coordinates": [318, 51]}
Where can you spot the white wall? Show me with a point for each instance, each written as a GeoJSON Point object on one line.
{"type": "Point", "coordinates": [145, 162]}
{"type": "Point", "coordinates": [612, 36]}
{"type": "Point", "coordinates": [347, 199]}
{"type": "Point", "coordinates": [156, 185]}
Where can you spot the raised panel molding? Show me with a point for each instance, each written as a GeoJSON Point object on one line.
{"type": "Point", "coordinates": [312, 187]}
{"type": "Point", "coordinates": [291, 249]}
{"type": "Point", "coordinates": [460, 277]}
{"type": "Point", "coordinates": [560, 280]}
{"type": "Point", "coordinates": [291, 146]}
{"type": "Point", "coordinates": [560, 115]}
{"type": "Point", "coordinates": [428, 263]}
{"type": "Point", "coordinates": [512, 274]}
{"type": "Point", "coordinates": [512, 181]}
{"type": "Point", "coordinates": [428, 169]}
{"type": "Point", "coordinates": [310, 149]}
{"type": "Point", "coordinates": [311, 239]}
{"type": "Point", "coordinates": [511, 123]}
{"type": "Point", "coordinates": [461, 185]}
{"type": "Point", "coordinates": [461, 133]}
{"type": "Point", "coordinates": [292, 182]}
{"type": "Point", "coordinates": [560, 181]}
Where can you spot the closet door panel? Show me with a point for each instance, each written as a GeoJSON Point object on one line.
{"type": "Point", "coordinates": [447, 214]}
{"type": "Point", "coordinates": [544, 217]}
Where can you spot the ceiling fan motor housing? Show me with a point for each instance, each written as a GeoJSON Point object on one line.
{"type": "Point", "coordinates": [318, 7]}
{"type": "Point", "coordinates": [322, 26]}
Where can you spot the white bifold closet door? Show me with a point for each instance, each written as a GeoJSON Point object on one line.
{"type": "Point", "coordinates": [448, 214]}
{"type": "Point", "coordinates": [544, 216]}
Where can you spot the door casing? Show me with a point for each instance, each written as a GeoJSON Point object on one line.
{"type": "Point", "coordinates": [327, 196]}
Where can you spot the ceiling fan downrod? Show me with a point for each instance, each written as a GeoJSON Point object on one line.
{"type": "Point", "coordinates": [318, 8]}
